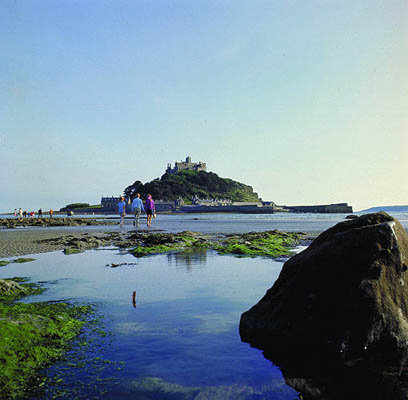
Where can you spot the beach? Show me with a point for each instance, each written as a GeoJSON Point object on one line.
{"type": "Point", "coordinates": [29, 240]}
{"type": "Point", "coordinates": [24, 241]}
{"type": "Point", "coordinates": [179, 303]}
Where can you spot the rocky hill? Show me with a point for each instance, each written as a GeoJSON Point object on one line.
{"type": "Point", "coordinates": [187, 184]}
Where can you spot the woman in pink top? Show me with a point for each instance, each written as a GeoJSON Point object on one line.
{"type": "Point", "coordinates": [150, 209]}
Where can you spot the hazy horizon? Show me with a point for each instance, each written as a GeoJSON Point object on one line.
{"type": "Point", "coordinates": [304, 101]}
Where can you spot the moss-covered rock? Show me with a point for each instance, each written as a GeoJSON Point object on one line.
{"type": "Point", "coordinates": [11, 289]}
{"type": "Point", "coordinates": [23, 260]}
{"type": "Point", "coordinates": [3, 263]}
{"type": "Point", "coordinates": [270, 244]}
{"type": "Point", "coordinates": [157, 243]}
{"type": "Point", "coordinates": [72, 250]}
{"type": "Point", "coordinates": [32, 336]}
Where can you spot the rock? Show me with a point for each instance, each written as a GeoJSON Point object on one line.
{"type": "Point", "coordinates": [3, 263]}
{"type": "Point", "coordinates": [346, 293]}
{"type": "Point", "coordinates": [71, 250]}
{"type": "Point", "coordinates": [11, 288]}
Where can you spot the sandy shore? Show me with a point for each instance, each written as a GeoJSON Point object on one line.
{"type": "Point", "coordinates": [19, 242]}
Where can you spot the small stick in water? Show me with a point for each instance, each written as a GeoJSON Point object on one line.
{"type": "Point", "coordinates": [134, 299]}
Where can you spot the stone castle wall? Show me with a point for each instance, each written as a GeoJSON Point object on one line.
{"type": "Point", "coordinates": [186, 166]}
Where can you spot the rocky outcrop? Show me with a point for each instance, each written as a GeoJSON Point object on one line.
{"type": "Point", "coordinates": [346, 293]}
{"type": "Point", "coordinates": [11, 288]}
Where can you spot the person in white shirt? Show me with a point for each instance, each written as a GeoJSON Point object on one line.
{"type": "Point", "coordinates": [137, 208]}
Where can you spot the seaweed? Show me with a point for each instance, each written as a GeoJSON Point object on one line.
{"type": "Point", "coordinates": [149, 244]}
{"type": "Point", "coordinates": [3, 263]}
{"type": "Point", "coordinates": [268, 244]}
{"type": "Point", "coordinates": [72, 250]}
{"type": "Point", "coordinates": [32, 336]}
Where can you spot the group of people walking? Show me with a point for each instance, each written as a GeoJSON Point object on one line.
{"type": "Point", "coordinates": [137, 208]}
{"type": "Point", "coordinates": [24, 214]}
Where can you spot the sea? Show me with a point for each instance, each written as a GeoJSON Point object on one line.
{"type": "Point", "coordinates": [228, 223]}
{"type": "Point", "coordinates": [178, 338]}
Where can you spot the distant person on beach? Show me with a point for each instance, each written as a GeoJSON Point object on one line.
{"type": "Point", "coordinates": [40, 213]}
{"type": "Point", "coordinates": [122, 210]}
{"type": "Point", "coordinates": [15, 212]}
{"type": "Point", "coordinates": [137, 208]}
{"type": "Point", "coordinates": [51, 212]}
{"type": "Point", "coordinates": [20, 213]}
{"type": "Point", "coordinates": [150, 209]}
{"type": "Point", "coordinates": [24, 214]}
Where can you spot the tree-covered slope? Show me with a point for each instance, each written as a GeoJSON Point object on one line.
{"type": "Point", "coordinates": [187, 184]}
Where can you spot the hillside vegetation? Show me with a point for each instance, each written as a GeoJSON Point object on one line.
{"type": "Point", "coordinates": [187, 184]}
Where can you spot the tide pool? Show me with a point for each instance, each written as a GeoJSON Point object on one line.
{"type": "Point", "coordinates": [179, 340]}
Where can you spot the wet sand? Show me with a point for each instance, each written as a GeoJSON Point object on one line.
{"type": "Point", "coordinates": [19, 242]}
{"type": "Point", "coordinates": [26, 240]}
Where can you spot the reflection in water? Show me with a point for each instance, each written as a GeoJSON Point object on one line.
{"type": "Point", "coordinates": [183, 332]}
{"type": "Point", "coordinates": [331, 377]}
{"type": "Point", "coordinates": [188, 259]}
{"type": "Point", "coordinates": [134, 299]}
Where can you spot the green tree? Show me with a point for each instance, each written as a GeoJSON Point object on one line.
{"type": "Point", "coordinates": [187, 184]}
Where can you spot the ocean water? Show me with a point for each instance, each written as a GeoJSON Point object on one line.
{"type": "Point", "coordinates": [234, 223]}
{"type": "Point", "coordinates": [179, 341]}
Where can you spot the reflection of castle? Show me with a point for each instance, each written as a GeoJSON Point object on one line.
{"type": "Point", "coordinates": [186, 165]}
{"type": "Point", "coordinates": [188, 259]}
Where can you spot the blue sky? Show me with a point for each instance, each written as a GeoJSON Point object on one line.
{"type": "Point", "coordinates": [305, 101]}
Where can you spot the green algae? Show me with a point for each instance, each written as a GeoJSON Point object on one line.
{"type": "Point", "coordinates": [149, 244]}
{"type": "Point", "coordinates": [13, 289]}
{"type": "Point", "coordinates": [88, 353]}
{"type": "Point", "coordinates": [268, 244]}
{"type": "Point", "coordinates": [32, 337]}
{"type": "Point", "coordinates": [23, 260]}
{"type": "Point", "coordinates": [158, 249]}
{"type": "Point", "coordinates": [3, 263]}
{"type": "Point", "coordinates": [72, 250]}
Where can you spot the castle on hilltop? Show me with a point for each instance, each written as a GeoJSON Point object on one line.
{"type": "Point", "coordinates": [186, 165]}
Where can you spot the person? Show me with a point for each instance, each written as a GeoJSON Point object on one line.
{"type": "Point", "coordinates": [40, 213]}
{"type": "Point", "coordinates": [20, 212]}
{"type": "Point", "coordinates": [122, 210]}
{"type": "Point", "coordinates": [137, 208]}
{"type": "Point", "coordinates": [150, 209]}
{"type": "Point", "coordinates": [51, 212]}
{"type": "Point", "coordinates": [15, 212]}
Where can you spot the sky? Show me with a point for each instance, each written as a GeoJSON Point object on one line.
{"type": "Point", "coordinates": [306, 101]}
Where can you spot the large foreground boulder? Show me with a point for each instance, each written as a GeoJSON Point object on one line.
{"type": "Point", "coordinates": [346, 293]}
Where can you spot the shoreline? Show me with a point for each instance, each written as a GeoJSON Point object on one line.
{"type": "Point", "coordinates": [24, 242]}
{"type": "Point", "coordinates": [21, 242]}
